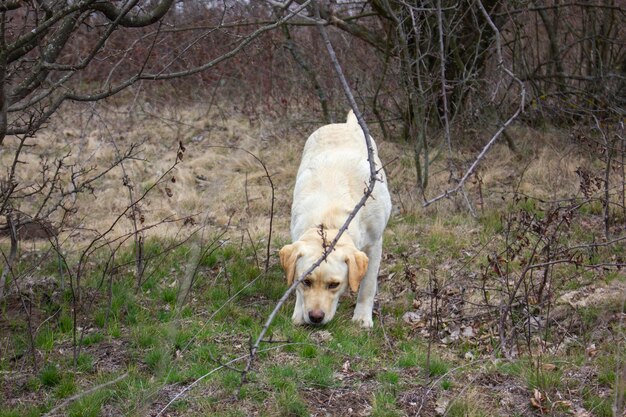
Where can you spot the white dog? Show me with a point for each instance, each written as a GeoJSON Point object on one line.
{"type": "Point", "coordinates": [332, 178]}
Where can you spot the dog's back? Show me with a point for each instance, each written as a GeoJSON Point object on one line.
{"type": "Point", "coordinates": [332, 177]}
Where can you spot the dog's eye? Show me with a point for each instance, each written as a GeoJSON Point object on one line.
{"type": "Point", "coordinates": [307, 282]}
{"type": "Point", "coordinates": [333, 285]}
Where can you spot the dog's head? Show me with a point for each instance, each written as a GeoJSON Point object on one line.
{"type": "Point", "coordinates": [320, 291]}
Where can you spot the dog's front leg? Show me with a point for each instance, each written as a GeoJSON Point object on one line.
{"type": "Point", "coordinates": [367, 289]}
{"type": "Point", "coordinates": [298, 313]}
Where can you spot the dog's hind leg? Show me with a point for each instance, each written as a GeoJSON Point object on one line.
{"type": "Point", "coordinates": [367, 289]}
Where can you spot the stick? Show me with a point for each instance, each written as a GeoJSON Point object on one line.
{"type": "Point", "coordinates": [502, 128]}
{"type": "Point", "coordinates": [366, 195]}
{"type": "Point", "coordinates": [82, 394]}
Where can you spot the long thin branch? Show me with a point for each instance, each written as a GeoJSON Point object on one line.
{"type": "Point", "coordinates": [442, 75]}
{"type": "Point", "coordinates": [112, 90]}
{"type": "Point", "coordinates": [97, 47]}
{"type": "Point", "coordinates": [229, 54]}
{"type": "Point", "coordinates": [366, 195]}
{"type": "Point", "coordinates": [273, 199]}
{"type": "Point", "coordinates": [82, 394]}
{"type": "Point", "coordinates": [139, 20]}
{"type": "Point", "coordinates": [502, 128]}
{"type": "Point", "coordinates": [20, 46]}
{"type": "Point", "coordinates": [224, 365]}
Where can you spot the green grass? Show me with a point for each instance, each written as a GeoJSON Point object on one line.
{"type": "Point", "coordinates": [163, 345]}
{"type": "Point", "coordinates": [66, 387]}
{"type": "Point", "coordinates": [384, 405]}
{"type": "Point", "coordinates": [436, 366]}
{"type": "Point", "coordinates": [21, 411]}
{"type": "Point", "coordinates": [65, 323]}
{"type": "Point", "coordinates": [290, 404]}
{"type": "Point", "coordinates": [320, 374]}
{"type": "Point", "coordinates": [601, 407]}
{"type": "Point", "coordinates": [45, 339]}
{"type": "Point", "coordinates": [491, 223]}
{"type": "Point", "coordinates": [446, 385]}
{"type": "Point", "coordinates": [543, 380]}
{"type": "Point", "coordinates": [92, 338]}
{"type": "Point", "coordinates": [464, 408]}
{"type": "Point", "coordinates": [282, 377]}
{"type": "Point", "coordinates": [157, 360]}
{"type": "Point", "coordinates": [50, 375]}
{"type": "Point", "coordinates": [90, 405]}
{"type": "Point", "coordinates": [84, 363]}
{"type": "Point", "coordinates": [145, 336]}
{"type": "Point", "coordinates": [389, 377]}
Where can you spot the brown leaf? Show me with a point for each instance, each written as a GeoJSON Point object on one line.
{"type": "Point", "coordinates": [537, 399]}
{"type": "Point", "coordinates": [535, 403]}
{"type": "Point", "coordinates": [592, 350]}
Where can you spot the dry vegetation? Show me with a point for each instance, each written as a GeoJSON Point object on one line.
{"type": "Point", "coordinates": [436, 349]}
{"type": "Point", "coordinates": [148, 153]}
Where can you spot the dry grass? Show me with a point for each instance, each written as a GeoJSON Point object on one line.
{"type": "Point", "coordinates": [381, 372]}
{"type": "Point", "coordinates": [225, 185]}
{"type": "Point", "coordinates": [214, 182]}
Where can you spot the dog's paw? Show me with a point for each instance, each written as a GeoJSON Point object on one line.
{"type": "Point", "coordinates": [364, 320]}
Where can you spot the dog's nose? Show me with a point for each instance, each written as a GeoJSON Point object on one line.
{"type": "Point", "coordinates": [316, 316]}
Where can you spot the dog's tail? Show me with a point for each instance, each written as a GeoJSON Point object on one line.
{"type": "Point", "coordinates": [352, 121]}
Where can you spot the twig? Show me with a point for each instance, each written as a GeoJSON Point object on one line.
{"type": "Point", "coordinates": [382, 326]}
{"type": "Point", "coordinates": [442, 75]}
{"type": "Point", "coordinates": [271, 183]}
{"type": "Point", "coordinates": [194, 383]}
{"type": "Point", "coordinates": [506, 124]}
{"type": "Point", "coordinates": [607, 176]}
{"type": "Point", "coordinates": [82, 394]}
{"type": "Point", "coordinates": [12, 254]}
{"type": "Point", "coordinates": [366, 195]}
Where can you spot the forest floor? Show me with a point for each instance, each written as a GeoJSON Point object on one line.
{"type": "Point", "coordinates": [514, 310]}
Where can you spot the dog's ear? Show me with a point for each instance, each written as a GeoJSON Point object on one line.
{"type": "Point", "coordinates": [357, 266]}
{"type": "Point", "coordinates": [289, 254]}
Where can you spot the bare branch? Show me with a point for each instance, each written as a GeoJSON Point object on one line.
{"type": "Point", "coordinates": [366, 195]}
{"type": "Point", "coordinates": [507, 123]}
{"type": "Point", "coordinates": [229, 54]}
{"type": "Point", "coordinates": [113, 13]}
{"type": "Point", "coordinates": [82, 394]}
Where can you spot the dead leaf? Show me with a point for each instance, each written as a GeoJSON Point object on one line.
{"type": "Point", "coordinates": [592, 350]}
{"type": "Point", "coordinates": [321, 336]}
{"type": "Point", "coordinates": [441, 406]}
{"type": "Point", "coordinates": [468, 331]}
{"type": "Point", "coordinates": [411, 317]}
{"type": "Point", "coordinates": [537, 399]}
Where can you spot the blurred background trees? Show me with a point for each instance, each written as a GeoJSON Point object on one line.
{"type": "Point", "coordinates": [424, 72]}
